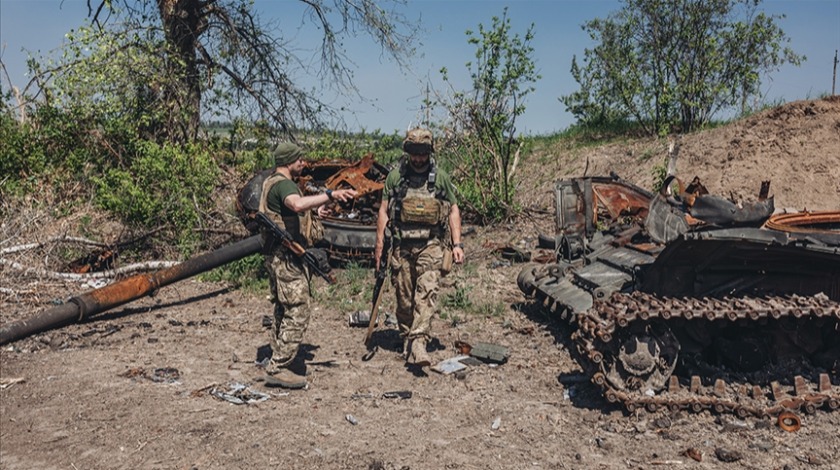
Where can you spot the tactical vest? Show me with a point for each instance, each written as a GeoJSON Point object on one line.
{"type": "Point", "coordinates": [419, 213]}
{"type": "Point", "coordinates": [301, 226]}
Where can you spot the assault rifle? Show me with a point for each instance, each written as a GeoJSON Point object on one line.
{"type": "Point", "coordinates": [314, 258]}
{"type": "Point", "coordinates": [381, 274]}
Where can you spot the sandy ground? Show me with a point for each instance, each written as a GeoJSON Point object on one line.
{"type": "Point", "coordinates": [140, 386]}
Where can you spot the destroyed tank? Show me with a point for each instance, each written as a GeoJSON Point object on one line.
{"type": "Point", "coordinates": [693, 302]}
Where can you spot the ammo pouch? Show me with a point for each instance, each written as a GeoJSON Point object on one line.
{"type": "Point", "coordinates": [419, 218]}
{"type": "Point", "coordinates": [311, 229]}
{"type": "Point", "coordinates": [446, 267]}
{"type": "Point", "coordinates": [420, 210]}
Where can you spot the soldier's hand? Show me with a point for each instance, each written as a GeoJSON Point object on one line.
{"type": "Point", "coordinates": [343, 195]}
{"type": "Point", "coordinates": [458, 255]}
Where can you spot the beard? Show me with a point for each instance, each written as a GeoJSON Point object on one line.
{"type": "Point", "coordinates": [419, 168]}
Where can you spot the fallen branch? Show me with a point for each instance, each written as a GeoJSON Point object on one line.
{"type": "Point", "coordinates": [111, 273]}
{"type": "Point", "coordinates": [61, 239]}
{"type": "Point", "coordinates": [8, 382]}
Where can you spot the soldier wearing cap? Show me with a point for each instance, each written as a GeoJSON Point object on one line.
{"type": "Point", "coordinates": [421, 211]}
{"type": "Point", "coordinates": [283, 202]}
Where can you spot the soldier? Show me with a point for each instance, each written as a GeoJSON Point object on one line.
{"type": "Point", "coordinates": [420, 209]}
{"type": "Point", "coordinates": [283, 202]}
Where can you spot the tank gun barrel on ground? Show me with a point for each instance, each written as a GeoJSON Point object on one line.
{"type": "Point", "coordinates": [105, 298]}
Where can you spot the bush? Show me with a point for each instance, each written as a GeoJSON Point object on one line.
{"type": "Point", "coordinates": [247, 273]}
{"type": "Point", "coordinates": [164, 185]}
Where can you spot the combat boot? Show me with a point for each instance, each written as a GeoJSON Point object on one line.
{"type": "Point", "coordinates": [285, 378]}
{"type": "Point", "coordinates": [418, 355]}
{"type": "Point", "coordinates": [292, 376]}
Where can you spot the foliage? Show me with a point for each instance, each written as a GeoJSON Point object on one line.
{"type": "Point", "coordinates": [247, 273]}
{"type": "Point", "coordinates": [342, 146]}
{"type": "Point", "coordinates": [163, 186]}
{"type": "Point", "coordinates": [53, 146]}
{"type": "Point", "coordinates": [673, 65]}
{"type": "Point", "coordinates": [659, 173]}
{"type": "Point", "coordinates": [18, 164]}
{"type": "Point", "coordinates": [351, 292]}
{"type": "Point", "coordinates": [457, 299]}
{"type": "Point", "coordinates": [167, 64]}
{"type": "Point", "coordinates": [482, 147]}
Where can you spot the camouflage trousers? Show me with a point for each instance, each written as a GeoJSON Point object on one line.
{"type": "Point", "coordinates": [415, 274]}
{"type": "Point", "coordinates": [291, 297]}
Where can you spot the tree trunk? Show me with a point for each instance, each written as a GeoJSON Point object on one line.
{"type": "Point", "coordinates": [183, 22]}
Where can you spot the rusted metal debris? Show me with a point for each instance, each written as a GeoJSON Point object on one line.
{"type": "Point", "coordinates": [100, 260]}
{"type": "Point", "coordinates": [693, 302]}
{"type": "Point", "coordinates": [789, 421]}
{"type": "Point", "coordinates": [365, 176]}
{"type": "Point", "coordinates": [105, 298]}
{"type": "Point", "coordinates": [350, 228]}
{"type": "Point", "coordinates": [362, 176]}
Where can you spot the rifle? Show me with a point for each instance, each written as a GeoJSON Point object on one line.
{"type": "Point", "coordinates": [315, 259]}
{"type": "Point", "coordinates": [381, 274]}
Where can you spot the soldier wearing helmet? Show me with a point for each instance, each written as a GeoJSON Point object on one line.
{"type": "Point", "coordinates": [421, 211]}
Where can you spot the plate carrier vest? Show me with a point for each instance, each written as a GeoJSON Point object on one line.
{"type": "Point", "coordinates": [419, 213]}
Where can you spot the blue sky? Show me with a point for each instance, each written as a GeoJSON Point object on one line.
{"type": "Point", "coordinates": [394, 96]}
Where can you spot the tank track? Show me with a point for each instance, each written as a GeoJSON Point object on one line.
{"type": "Point", "coordinates": [626, 346]}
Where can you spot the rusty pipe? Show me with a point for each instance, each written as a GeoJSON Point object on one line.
{"type": "Point", "coordinates": [99, 300]}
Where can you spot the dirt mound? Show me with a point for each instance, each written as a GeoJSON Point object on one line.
{"type": "Point", "coordinates": [796, 146]}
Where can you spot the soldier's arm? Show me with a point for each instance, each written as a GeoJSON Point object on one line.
{"type": "Point", "coordinates": [299, 203]}
{"type": "Point", "coordinates": [381, 223]}
{"type": "Point", "coordinates": [455, 228]}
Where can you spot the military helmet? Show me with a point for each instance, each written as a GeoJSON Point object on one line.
{"type": "Point", "coordinates": [419, 141]}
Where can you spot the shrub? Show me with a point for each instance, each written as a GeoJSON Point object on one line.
{"type": "Point", "coordinates": [163, 185]}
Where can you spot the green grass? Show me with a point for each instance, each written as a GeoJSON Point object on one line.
{"type": "Point", "coordinates": [248, 274]}
{"type": "Point", "coordinates": [352, 291]}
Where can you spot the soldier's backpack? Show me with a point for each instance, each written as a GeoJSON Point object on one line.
{"type": "Point", "coordinates": [248, 204]}
{"type": "Point", "coordinates": [248, 200]}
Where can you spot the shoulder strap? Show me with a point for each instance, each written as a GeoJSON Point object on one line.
{"type": "Point", "coordinates": [430, 184]}
{"type": "Point", "coordinates": [401, 188]}
{"type": "Point", "coordinates": [266, 187]}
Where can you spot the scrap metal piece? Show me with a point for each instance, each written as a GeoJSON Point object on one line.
{"type": "Point", "coordinates": [723, 212]}
{"type": "Point", "coordinates": [356, 176]}
{"type": "Point", "coordinates": [789, 422]}
{"type": "Point", "coordinates": [238, 394]}
{"type": "Point", "coordinates": [448, 366]}
{"type": "Point", "coordinates": [99, 260]}
{"type": "Point", "coordinates": [488, 352]}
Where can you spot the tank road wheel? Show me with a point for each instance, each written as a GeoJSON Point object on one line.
{"type": "Point", "coordinates": [526, 280]}
{"type": "Point", "coordinates": [642, 358]}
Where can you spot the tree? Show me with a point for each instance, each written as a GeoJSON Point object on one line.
{"type": "Point", "coordinates": [675, 63]}
{"type": "Point", "coordinates": [176, 61]}
{"type": "Point", "coordinates": [483, 146]}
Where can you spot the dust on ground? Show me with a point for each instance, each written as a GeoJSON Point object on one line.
{"type": "Point", "coordinates": [139, 386]}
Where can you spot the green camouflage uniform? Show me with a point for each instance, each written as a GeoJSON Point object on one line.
{"type": "Point", "coordinates": [289, 282]}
